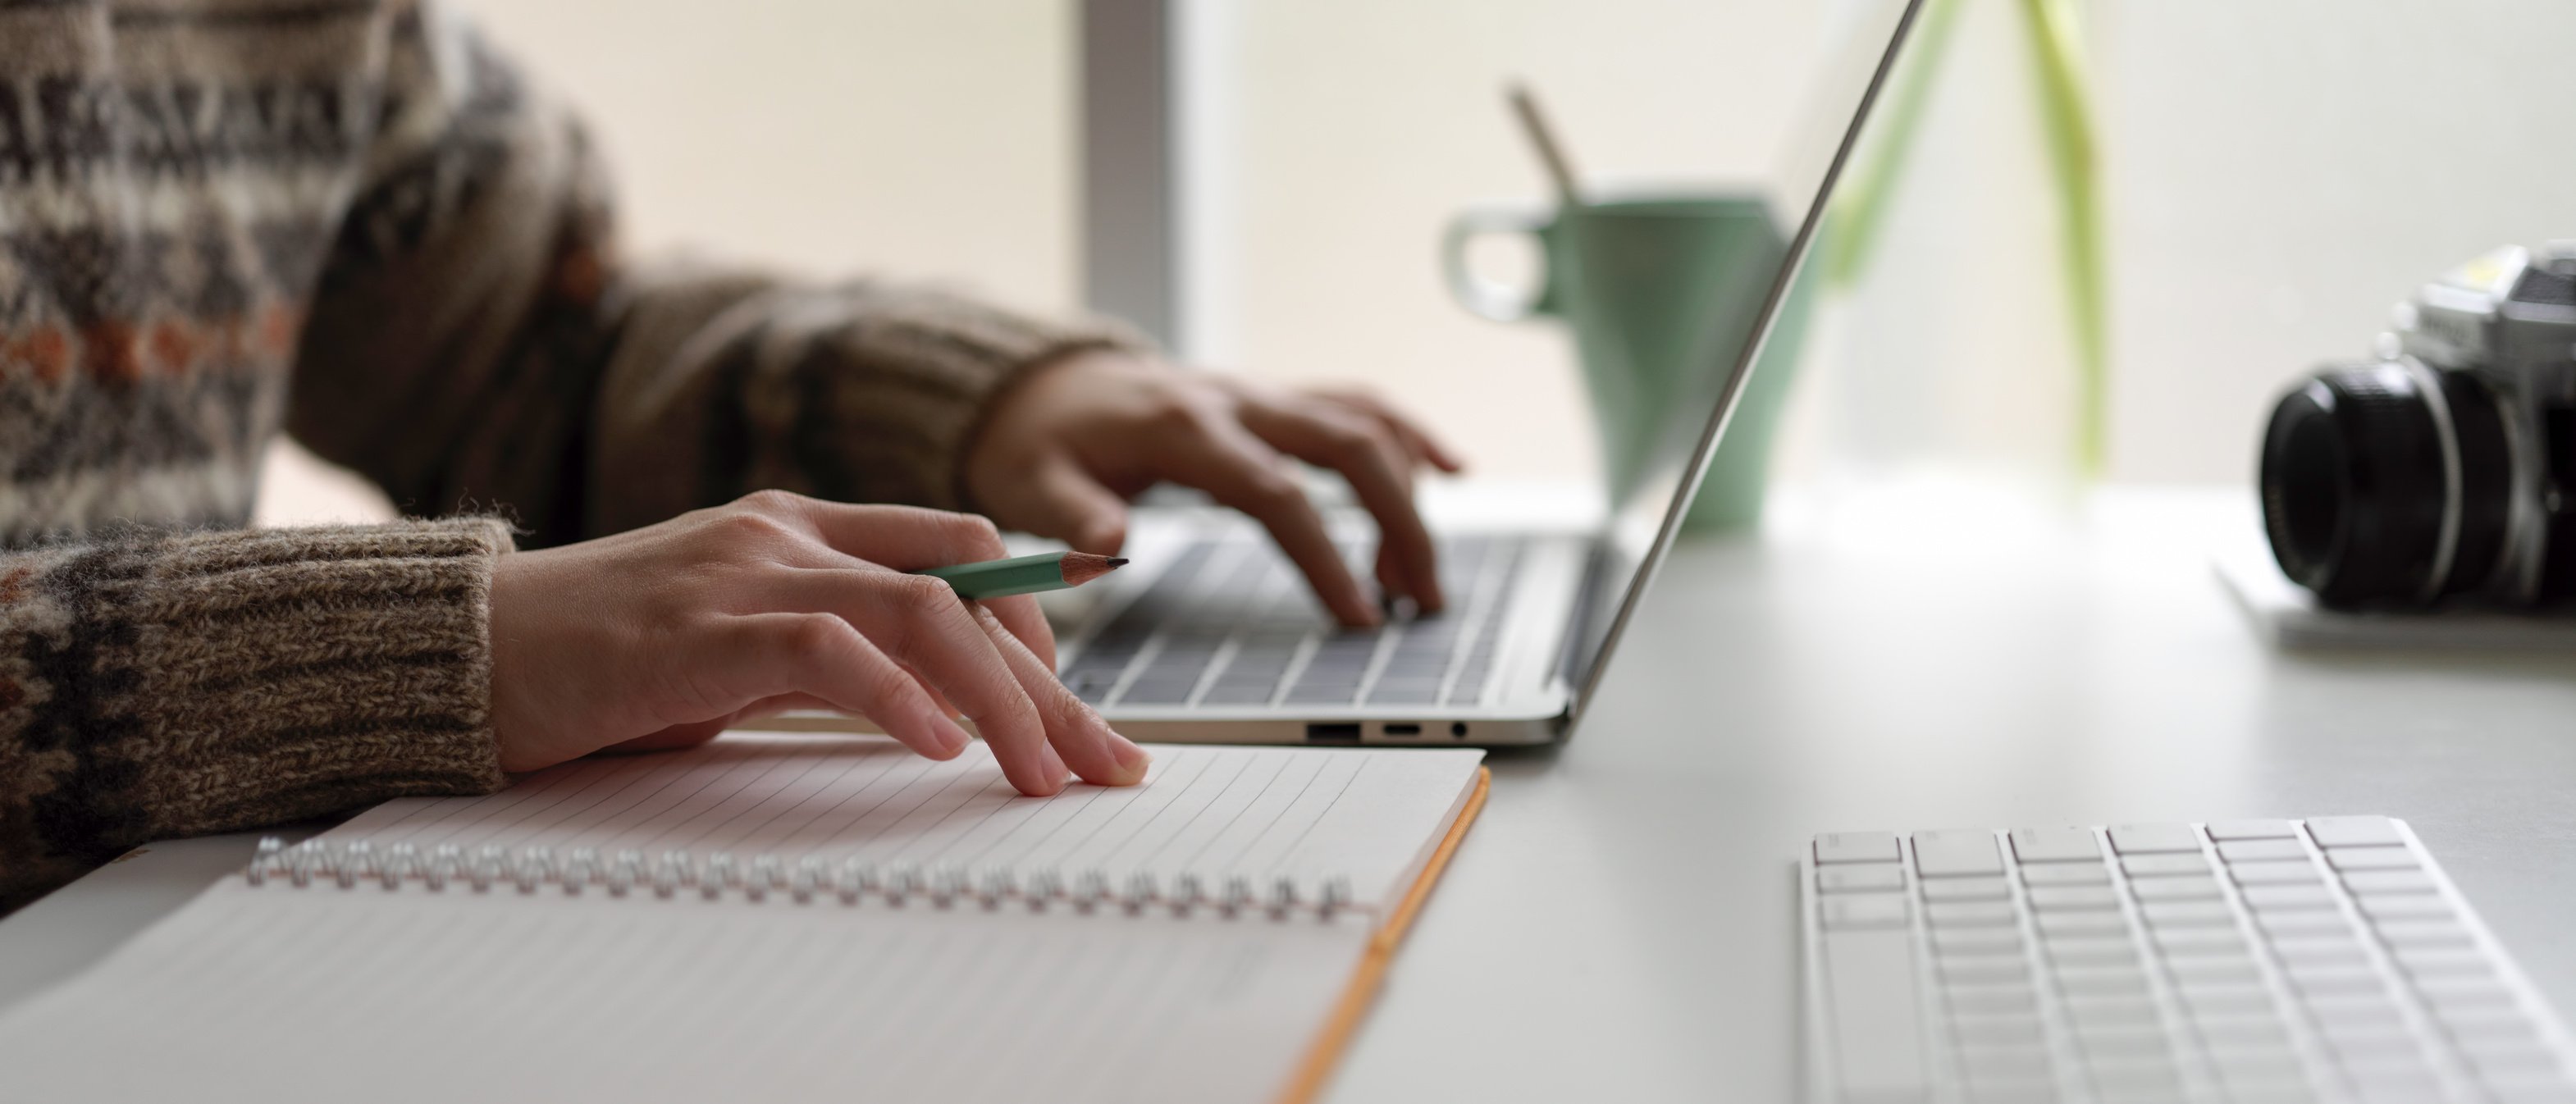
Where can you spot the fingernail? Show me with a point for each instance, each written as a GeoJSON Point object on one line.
{"type": "Point", "coordinates": [1056, 771]}
{"type": "Point", "coordinates": [1131, 758]}
{"type": "Point", "coordinates": [952, 737]}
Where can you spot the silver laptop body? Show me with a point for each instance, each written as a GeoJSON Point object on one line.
{"type": "Point", "coordinates": [1211, 637]}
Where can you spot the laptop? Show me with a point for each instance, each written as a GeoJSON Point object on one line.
{"type": "Point", "coordinates": [1211, 636]}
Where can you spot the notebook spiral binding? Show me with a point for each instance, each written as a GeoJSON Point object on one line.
{"type": "Point", "coordinates": [811, 879]}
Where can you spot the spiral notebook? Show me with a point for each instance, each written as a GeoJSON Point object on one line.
{"type": "Point", "coordinates": [784, 918]}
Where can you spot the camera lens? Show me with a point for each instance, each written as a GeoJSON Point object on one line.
{"type": "Point", "coordinates": [2358, 498]}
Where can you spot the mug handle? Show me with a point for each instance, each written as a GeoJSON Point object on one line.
{"type": "Point", "coordinates": [1494, 299]}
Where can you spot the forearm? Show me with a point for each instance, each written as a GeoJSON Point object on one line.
{"type": "Point", "coordinates": [862, 391]}
{"type": "Point", "coordinates": [156, 685]}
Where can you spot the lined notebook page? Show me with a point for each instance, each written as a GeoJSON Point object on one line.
{"type": "Point", "coordinates": [276, 993]}
{"type": "Point", "coordinates": [1262, 813]}
{"type": "Point", "coordinates": [263, 995]}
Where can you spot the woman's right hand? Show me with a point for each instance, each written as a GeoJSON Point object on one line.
{"type": "Point", "coordinates": [663, 636]}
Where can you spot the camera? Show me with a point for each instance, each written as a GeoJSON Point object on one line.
{"type": "Point", "coordinates": [2432, 473]}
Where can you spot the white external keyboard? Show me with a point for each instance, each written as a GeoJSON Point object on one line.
{"type": "Point", "coordinates": [2247, 961]}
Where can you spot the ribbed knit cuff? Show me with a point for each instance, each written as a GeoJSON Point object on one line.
{"type": "Point", "coordinates": [864, 392]}
{"type": "Point", "coordinates": [919, 368]}
{"type": "Point", "coordinates": [214, 681]}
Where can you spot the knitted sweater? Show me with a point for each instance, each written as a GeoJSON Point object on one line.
{"type": "Point", "coordinates": [353, 221]}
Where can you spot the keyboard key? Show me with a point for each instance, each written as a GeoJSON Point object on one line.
{"type": "Point", "coordinates": [2282, 924]}
{"type": "Point", "coordinates": [2252, 1066]}
{"type": "Point", "coordinates": [1993, 999]}
{"type": "Point", "coordinates": [2043, 845]}
{"type": "Point", "coordinates": [1975, 941]}
{"type": "Point", "coordinates": [1966, 889]}
{"type": "Point", "coordinates": [2371, 858]}
{"type": "Point", "coordinates": [1987, 969]}
{"type": "Point", "coordinates": [2164, 865]}
{"type": "Point", "coordinates": [2189, 972]}
{"type": "Point", "coordinates": [2333, 981]}
{"type": "Point", "coordinates": [2005, 1063]}
{"type": "Point", "coordinates": [2065, 898]}
{"type": "Point", "coordinates": [2321, 952]}
{"type": "Point", "coordinates": [2063, 874]}
{"type": "Point", "coordinates": [2235, 851]}
{"type": "Point", "coordinates": [2199, 942]}
{"type": "Point", "coordinates": [2110, 1010]}
{"type": "Point", "coordinates": [2174, 889]}
{"type": "Point", "coordinates": [2116, 1037]}
{"type": "Point", "coordinates": [2286, 898]}
{"type": "Point", "coordinates": [2424, 962]}
{"type": "Point", "coordinates": [2516, 1065]}
{"type": "Point", "coordinates": [2121, 979]}
{"type": "Point", "coordinates": [1863, 910]}
{"type": "Point", "coordinates": [2092, 949]}
{"type": "Point", "coordinates": [1998, 1030]}
{"type": "Point", "coordinates": [1859, 878]}
{"type": "Point", "coordinates": [2422, 933]}
{"type": "Point", "coordinates": [1952, 853]}
{"type": "Point", "coordinates": [2139, 839]}
{"type": "Point", "coordinates": [1846, 847]}
{"type": "Point", "coordinates": [1871, 1012]}
{"type": "Point", "coordinates": [2353, 831]}
{"type": "Point", "coordinates": [2081, 923]}
{"type": "Point", "coordinates": [2457, 993]}
{"type": "Point", "coordinates": [2187, 914]}
{"type": "Point", "coordinates": [2366, 882]}
{"type": "Point", "coordinates": [2252, 829]}
{"type": "Point", "coordinates": [2405, 907]}
{"type": "Point", "coordinates": [2230, 1001]}
{"type": "Point", "coordinates": [1969, 914]}
{"type": "Point", "coordinates": [2283, 872]}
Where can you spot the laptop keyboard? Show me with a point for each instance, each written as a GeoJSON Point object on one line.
{"type": "Point", "coordinates": [2275, 960]}
{"type": "Point", "coordinates": [1231, 623]}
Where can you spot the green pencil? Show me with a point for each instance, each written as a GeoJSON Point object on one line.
{"type": "Point", "coordinates": [1024, 574]}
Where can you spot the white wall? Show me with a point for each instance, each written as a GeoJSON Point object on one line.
{"type": "Point", "coordinates": [2282, 172]}
{"type": "Point", "coordinates": [927, 139]}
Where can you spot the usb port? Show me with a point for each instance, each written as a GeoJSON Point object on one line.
{"type": "Point", "coordinates": [1403, 728]}
{"type": "Point", "coordinates": [1333, 733]}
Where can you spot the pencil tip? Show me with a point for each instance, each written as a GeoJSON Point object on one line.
{"type": "Point", "coordinates": [1117, 561]}
{"type": "Point", "coordinates": [1082, 567]}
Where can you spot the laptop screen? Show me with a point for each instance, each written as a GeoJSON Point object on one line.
{"type": "Point", "coordinates": [1647, 506]}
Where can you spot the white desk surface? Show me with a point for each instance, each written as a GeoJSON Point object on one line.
{"type": "Point", "coordinates": [1620, 924]}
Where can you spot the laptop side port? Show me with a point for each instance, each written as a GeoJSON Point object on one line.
{"type": "Point", "coordinates": [1337, 733]}
{"type": "Point", "coordinates": [1403, 728]}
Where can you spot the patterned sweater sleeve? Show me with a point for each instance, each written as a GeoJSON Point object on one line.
{"type": "Point", "coordinates": [155, 685]}
{"type": "Point", "coordinates": [477, 343]}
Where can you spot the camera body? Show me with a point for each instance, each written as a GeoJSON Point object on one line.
{"type": "Point", "coordinates": [2433, 472]}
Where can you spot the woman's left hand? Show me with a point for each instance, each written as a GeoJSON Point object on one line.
{"type": "Point", "coordinates": [1067, 445]}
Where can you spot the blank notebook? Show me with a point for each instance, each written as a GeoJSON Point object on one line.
{"type": "Point", "coordinates": [784, 918]}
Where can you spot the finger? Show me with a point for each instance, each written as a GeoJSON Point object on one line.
{"type": "Point", "coordinates": [817, 654]}
{"type": "Point", "coordinates": [907, 539]}
{"type": "Point", "coordinates": [1074, 729]}
{"type": "Point", "coordinates": [1219, 456]}
{"type": "Point", "coordinates": [1059, 499]}
{"type": "Point", "coordinates": [946, 707]}
{"type": "Point", "coordinates": [699, 732]}
{"type": "Point", "coordinates": [1020, 614]}
{"type": "Point", "coordinates": [923, 624]}
{"type": "Point", "coordinates": [1418, 439]}
{"type": "Point", "coordinates": [1362, 450]}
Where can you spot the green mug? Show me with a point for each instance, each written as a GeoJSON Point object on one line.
{"type": "Point", "coordinates": [1662, 293]}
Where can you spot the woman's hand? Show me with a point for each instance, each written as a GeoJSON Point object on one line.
{"type": "Point", "coordinates": [663, 636]}
{"type": "Point", "coordinates": [1069, 443]}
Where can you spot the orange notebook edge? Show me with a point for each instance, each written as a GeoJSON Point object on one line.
{"type": "Point", "coordinates": [1326, 1052]}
